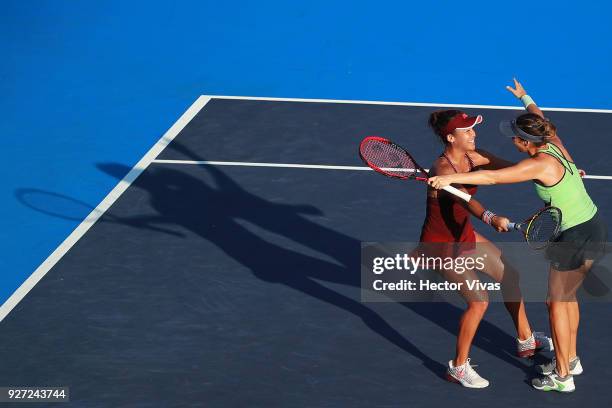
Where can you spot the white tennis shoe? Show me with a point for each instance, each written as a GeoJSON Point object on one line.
{"type": "Point", "coordinates": [465, 375]}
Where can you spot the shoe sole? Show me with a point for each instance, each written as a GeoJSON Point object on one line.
{"type": "Point", "coordinates": [546, 389]}
{"type": "Point", "coordinates": [454, 380]}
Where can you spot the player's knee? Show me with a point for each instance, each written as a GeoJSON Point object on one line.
{"type": "Point", "coordinates": [509, 274]}
{"type": "Point", "coordinates": [479, 307]}
{"type": "Point", "coordinates": [560, 294]}
{"type": "Point", "coordinates": [555, 307]}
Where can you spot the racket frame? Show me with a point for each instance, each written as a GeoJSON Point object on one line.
{"type": "Point", "coordinates": [525, 226]}
{"type": "Point", "coordinates": [389, 173]}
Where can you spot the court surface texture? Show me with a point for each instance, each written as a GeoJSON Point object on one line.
{"type": "Point", "coordinates": [237, 284]}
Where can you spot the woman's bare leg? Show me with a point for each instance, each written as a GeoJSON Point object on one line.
{"type": "Point", "coordinates": [564, 313]}
{"type": "Point", "coordinates": [504, 272]}
{"type": "Point", "coordinates": [467, 330]}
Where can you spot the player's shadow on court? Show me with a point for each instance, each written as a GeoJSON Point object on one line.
{"type": "Point", "coordinates": [214, 211]}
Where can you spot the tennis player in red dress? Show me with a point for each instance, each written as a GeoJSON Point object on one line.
{"type": "Point", "coordinates": [448, 220]}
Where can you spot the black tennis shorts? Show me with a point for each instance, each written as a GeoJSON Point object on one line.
{"type": "Point", "coordinates": [586, 241]}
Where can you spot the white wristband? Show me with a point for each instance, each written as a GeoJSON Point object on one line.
{"type": "Point", "coordinates": [527, 100]}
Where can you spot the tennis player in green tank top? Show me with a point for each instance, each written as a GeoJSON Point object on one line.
{"type": "Point", "coordinates": [557, 182]}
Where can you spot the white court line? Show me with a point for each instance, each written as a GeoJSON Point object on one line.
{"type": "Point", "coordinates": [304, 166]}
{"type": "Point", "coordinates": [97, 212]}
{"type": "Point", "coordinates": [593, 177]}
{"type": "Point", "coordinates": [439, 105]}
{"type": "Point", "coordinates": [251, 164]}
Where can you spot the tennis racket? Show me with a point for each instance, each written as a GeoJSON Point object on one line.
{"type": "Point", "coordinates": [541, 228]}
{"type": "Point", "coordinates": [391, 160]}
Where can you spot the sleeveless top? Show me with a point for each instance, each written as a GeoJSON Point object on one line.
{"type": "Point", "coordinates": [447, 220]}
{"type": "Point", "coordinates": [568, 194]}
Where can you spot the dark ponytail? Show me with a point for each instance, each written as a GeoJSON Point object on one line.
{"type": "Point", "coordinates": [438, 121]}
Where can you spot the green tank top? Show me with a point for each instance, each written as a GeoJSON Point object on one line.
{"type": "Point", "coordinates": [569, 194]}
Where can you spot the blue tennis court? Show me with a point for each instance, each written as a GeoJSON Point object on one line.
{"type": "Point", "coordinates": [184, 207]}
{"type": "Point", "coordinates": [222, 270]}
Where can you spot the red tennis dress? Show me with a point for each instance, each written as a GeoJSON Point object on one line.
{"type": "Point", "coordinates": [447, 220]}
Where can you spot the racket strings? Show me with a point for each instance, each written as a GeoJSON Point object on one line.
{"type": "Point", "coordinates": [388, 158]}
{"type": "Point", "coordinates": [544, 227]}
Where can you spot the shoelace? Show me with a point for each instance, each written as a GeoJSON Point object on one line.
{"type": "Point", "coordinates": [470, 373]}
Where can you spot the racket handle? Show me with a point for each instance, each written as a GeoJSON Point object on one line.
{"type": "Point", "coordinates": [463, 195]}
{"type": "Point", "coordinates": [513, 225]}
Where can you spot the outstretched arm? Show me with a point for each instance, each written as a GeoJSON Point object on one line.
{"type": "Point", "coordinates": [528, 169]}
{"type": "Point", "coordinates": [492, 162]}
{"type": "Point", "coordinates": [499, 223]}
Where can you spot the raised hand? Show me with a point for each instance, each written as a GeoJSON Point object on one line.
{"type": "Point", "coordinates": [518, 89]}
